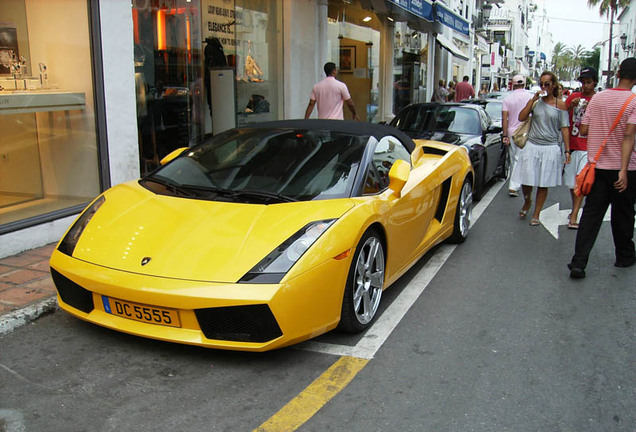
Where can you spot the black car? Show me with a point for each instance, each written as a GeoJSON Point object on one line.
{"type": "Point", "coordinates": [462, 124]}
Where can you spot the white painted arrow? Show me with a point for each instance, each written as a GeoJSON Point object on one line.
{"type": "Point", "coordinates": [552, 218]}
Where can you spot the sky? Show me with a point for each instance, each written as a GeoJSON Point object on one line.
{"type": "Point", "coordinates": [572, 22]}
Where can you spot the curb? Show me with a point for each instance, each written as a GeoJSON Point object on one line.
{"type": "Point", "coordinates": [20, 317]}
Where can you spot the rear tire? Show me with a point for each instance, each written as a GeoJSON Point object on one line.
{"type": "Point", "coordinates": [463, 214]}
{"type": "Point", "coordinates": [365, 283]}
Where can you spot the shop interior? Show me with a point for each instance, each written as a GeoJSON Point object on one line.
{"type": "Point", "coordinates": [48, 150]}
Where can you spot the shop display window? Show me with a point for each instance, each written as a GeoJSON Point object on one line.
{"type": "Point", "coordinates": [48, 143]}
{"type": "Point", "coordinates": [258, 60]}
{"type": "Point", "coordinates": [169, 79]}
{"type": "Point", "coordinates": [354, 46]}
{"type": "Point", "coordinates": [409, 66]}
{"type": "Point", "coordinates": [202, 67]}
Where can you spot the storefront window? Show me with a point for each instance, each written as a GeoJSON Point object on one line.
{"type": "Point", "coordinates": [202, 67]}
{"type": "Point", "coordinates": [48, 141]}
{"type": "Point", "coordinates": [354, 46]}
{"type": "Point", "coordinates": [409, 65]}
{"type": "Point", "coordinates": [259, 60]}
{"type": "Point", "coordinates": [171, 95]}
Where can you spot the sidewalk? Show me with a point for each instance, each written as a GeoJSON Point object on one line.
{"type": "Point", "coordinates": [26, 287]}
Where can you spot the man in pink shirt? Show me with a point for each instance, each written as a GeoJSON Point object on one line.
{"type": "Point", "coordinates": [330, 95]}
{"type": "Point", "coordinates": [511, 107]}
{"type": "Point", "coordinates": [464, 90]}
{"type": "Point", "coordinates": [615, 178]}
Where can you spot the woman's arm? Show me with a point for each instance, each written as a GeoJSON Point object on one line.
{"type": "Point", "coordinates": [525, 112]}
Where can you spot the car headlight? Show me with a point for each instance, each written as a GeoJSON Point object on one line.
{"type": "Point", "coordinates": [68, 243]}
{"type": "Point", "coordinates": [274, 266]}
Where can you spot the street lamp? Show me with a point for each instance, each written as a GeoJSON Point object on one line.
{"type": "Point", "coordinates": [625, 47]}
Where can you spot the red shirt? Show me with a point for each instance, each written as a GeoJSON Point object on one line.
{"type": "Point", "coordinates": [600, 115]}
{"type": "Point", "coordinates": [464, 90]}
{"type": "Point", "coordinates": [576, 115]}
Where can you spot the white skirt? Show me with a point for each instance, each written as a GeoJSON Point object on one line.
{"type": "Point", "coordinates": [539, 165]}
{"type": "Point", "coordinates": [578, 160]}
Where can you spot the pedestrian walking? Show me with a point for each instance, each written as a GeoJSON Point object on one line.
{"type": "Point", "coordinates": [576, 104]}
{"type": "Point", "coordinates": [510, 109]}
{"type": "Point", "coordinates": [541, 162]}
{"type": "Point", "coordinates": [330, 95]}
{"type": "Point", "coordinates": [483, 91]}
{"type": "Point", "coordinates": [451, 93]}
{"type": "Point", "coordinates": [464, 90]}
{"type": "Point", "coordinates": [441, 94]}
{"type": "Point", "coordinates": [615, 173]}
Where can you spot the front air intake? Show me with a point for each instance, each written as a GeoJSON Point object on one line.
{"type": "Point", "coordinates": [250, 323]}
{"type": "Point", "coordinates": [73, 294]}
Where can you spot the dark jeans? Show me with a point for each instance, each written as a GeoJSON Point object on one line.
{"type": "Point", "coordinates": [600, 197]}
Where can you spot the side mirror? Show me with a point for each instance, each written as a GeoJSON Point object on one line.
{"type": "Point", "coordinates": [495, 129]}
{"type": "Point", "coordinates": [398, 175]}
{"type": "Point", "coordinates": [173, 155]}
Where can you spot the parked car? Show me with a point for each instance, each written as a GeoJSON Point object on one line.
{"type": "Point", "coordinates": [497, 95]}
{"type": "Point", "coordinates": [264, 236]}
{"type": "Point", "coordinates": [492, 107]}
{"type": "Point", "coordinates": [461, 124]}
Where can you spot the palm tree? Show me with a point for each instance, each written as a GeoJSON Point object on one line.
{"type": "Point", "coordinates": [609, 7]}
{"type": "Point", "coordinates": [577, 54]}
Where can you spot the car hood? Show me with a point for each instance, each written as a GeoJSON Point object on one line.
{"type": "Point", "coordinates": [191, 239]}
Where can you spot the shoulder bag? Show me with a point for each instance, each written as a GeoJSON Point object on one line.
{"type": "Point", "coordinates": [585, 179]}
{"type": "Point", "coordinates": [520, 136]}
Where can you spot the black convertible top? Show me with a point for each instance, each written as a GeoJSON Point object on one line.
{"type": "Point", "coordinates": [378, 131]}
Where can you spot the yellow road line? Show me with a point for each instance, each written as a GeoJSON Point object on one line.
{"type": "Point", "coordinates": [315, 396]}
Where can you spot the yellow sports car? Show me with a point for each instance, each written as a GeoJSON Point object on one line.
{"type": "Point", "coordinates": [264, 236]}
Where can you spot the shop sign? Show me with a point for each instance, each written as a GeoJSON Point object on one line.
{"type": "Point", "coordinates": [219, 21]}
{"type": "Point", "coordinates": [450, 19]}
{"type": "Point", "coordinates": [420, 8]}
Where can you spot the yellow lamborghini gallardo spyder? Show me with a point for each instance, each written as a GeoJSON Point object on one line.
{"type": "Point", "coordinates": [264, 236]}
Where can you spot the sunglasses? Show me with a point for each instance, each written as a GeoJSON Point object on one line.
{"type": "Point", "coordinates": [546, 84]}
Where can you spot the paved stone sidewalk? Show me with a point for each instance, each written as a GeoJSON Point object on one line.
{"type": "Point", "coordinates": [26, 287]}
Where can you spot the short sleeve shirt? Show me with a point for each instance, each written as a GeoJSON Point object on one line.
{"type": "Point", "coordinates": [513, 104]}
{"type": "Point", "coordinates": [599, 116]}
{"type": "Point", "coordinates": [577, 142]}
{"type": "Point", "coordinates": [547, 121]}
{"type": "Point", "coordinates": [330, 95]}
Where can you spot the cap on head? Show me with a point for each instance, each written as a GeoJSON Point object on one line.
{"type": "Point", "coordinates": [588, 72]}
{"type": "Point", "coordinates": [518, 79]}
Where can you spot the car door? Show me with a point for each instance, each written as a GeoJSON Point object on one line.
{"type": "Point", "coordinates": [492, 143]}
{"type": "Point", "coordinates": [409, 215]}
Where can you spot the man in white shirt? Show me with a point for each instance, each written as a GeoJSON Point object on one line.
{"type": "Point", "coordinates": [330, 95]}
{"type": "Point", "coordinates": [511, 107]}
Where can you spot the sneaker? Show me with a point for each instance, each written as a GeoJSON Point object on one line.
{"type": "Point", "coordinates": [576, 272]}
{"type": "Point", "coordinates": [625, 262]}
{"type": "Point", "coordinates": [513, 193]}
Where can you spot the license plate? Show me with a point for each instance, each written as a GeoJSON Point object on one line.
{"type": "Point", "coordinates": [143, 313]}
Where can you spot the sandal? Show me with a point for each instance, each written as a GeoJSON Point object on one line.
{"type": "Point", "coordinates": [573, 225]}
{"type": "Point", "coordinates": [524, 211]}
{"type": "Point", "coordinates": [535, 222]}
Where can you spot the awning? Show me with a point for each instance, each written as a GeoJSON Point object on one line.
{"type": "Point", "coordinates": [450, 46]}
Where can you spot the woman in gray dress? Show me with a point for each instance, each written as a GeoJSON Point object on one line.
{"type": "Point", "coordinates": [541, 161]}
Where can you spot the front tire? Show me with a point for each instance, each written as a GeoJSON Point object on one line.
{"type": "Point", "coordinates": [463, 214]}
{"type": "Point", "coordinates": [365, 283]}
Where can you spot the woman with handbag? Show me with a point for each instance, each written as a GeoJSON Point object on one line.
{"type": "Point", "coordinates": [541, 162]}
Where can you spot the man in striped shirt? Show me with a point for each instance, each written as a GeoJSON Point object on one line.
{"type": "Point", "coordinates": [615, 180]}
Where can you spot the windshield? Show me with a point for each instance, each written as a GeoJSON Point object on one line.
{"type": "Point", "coordinates": [434, 118]}
{"type": "Point", "coordinates": [494, 110]}
{"type": "Point", "coordinates": [264, 166]}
